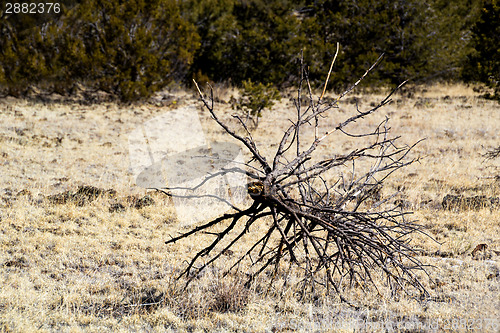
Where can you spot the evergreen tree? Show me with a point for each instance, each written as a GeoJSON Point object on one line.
{"type": "Point", "coordinates": [484, 63]}
{"type": "Point", "coordinates": [253, 39]}
{"type": "Point", "coordinates": [409, 32]}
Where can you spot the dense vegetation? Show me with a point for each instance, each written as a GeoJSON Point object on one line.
{"type": "Point", "coordinates": [133, 48]}
{"type": "Point", "coordinates": [484, 61]}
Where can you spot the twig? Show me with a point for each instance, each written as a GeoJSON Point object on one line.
{"type": "Point", "coordinates": [330, 71]}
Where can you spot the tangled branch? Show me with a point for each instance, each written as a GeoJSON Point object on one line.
{"type": "Point", "coordinates": [329, 227]}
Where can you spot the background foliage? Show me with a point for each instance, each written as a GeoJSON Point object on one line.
{"type": "Point", "coordinates": [133, 48]}
{"type": "Point", "coordinates": [483, 63]}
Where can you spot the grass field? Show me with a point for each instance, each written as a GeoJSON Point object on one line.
{"type": "Point", "coordinates": [95, 260]}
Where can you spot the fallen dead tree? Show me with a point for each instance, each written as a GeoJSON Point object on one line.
{"type": "Point", "coordinates": [326, 225]}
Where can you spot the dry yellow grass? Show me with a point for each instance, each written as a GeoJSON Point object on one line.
{"type": "Point", "coordinates": [74, 267]}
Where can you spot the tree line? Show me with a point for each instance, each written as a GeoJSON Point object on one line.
{"type": "Point", "coordinates": [133, 48]}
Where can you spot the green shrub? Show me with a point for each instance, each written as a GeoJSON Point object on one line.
{"type": "Point", "coordinates": [133, 48]}
{"type": "Point", "coordinates": [255, 98]}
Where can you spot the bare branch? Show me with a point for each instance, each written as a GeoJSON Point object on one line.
{"type": "Point", "coordinates": [330, 71]}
